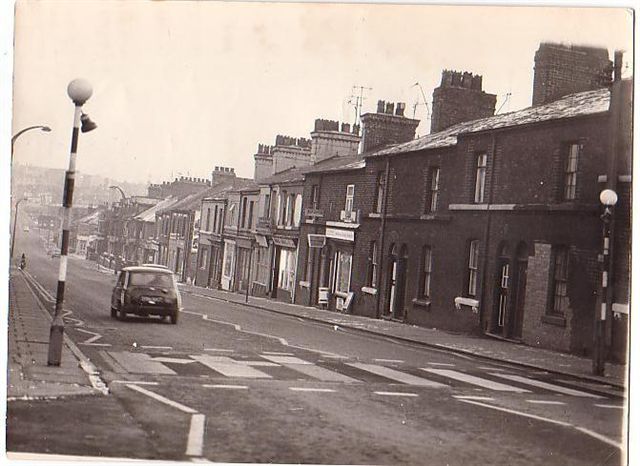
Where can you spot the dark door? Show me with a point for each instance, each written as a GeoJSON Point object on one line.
{"type": "Point", "coordinates": [502, 296]}
{"type": "Point", "coordinates": [520, 285]}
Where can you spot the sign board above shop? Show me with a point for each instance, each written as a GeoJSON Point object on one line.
{"type": "Point", "coordinates": [262, 241]}
{"type": "Point", "coordinates": [284, 242]}
{"type": "Point", "coordinates": [316, 241]}
{"type": "Point", "coordinates": [344, 235]}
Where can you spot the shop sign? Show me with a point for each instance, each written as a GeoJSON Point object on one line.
{"type": "Point", "coordinates": [316, 241]}
{"type": "Point", "coordinates": [262, 241]}
{"type": "Point", "coordinates": [336, 233]}
{"type": "Point", "coordinates": [284, 242]}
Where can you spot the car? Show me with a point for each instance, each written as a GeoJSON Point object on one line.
{"type": "Point", "coordinates": [156, 265]}
{"type": "Point", "coordinates": [146, 291]}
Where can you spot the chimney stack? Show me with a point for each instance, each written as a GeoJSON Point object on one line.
{"type": "Point", "coordinates": [386, 126]}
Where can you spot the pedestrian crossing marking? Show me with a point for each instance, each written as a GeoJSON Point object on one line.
{"type": "Point", "coordinates": [396, 375]}
{"type": "Point", "coordinates": [231, 387]}
{"type": "Point", "coordinates": [473, 380]}
{"type": "Point", "coordinates": [411, 395]}
{"type": "Point", "coordinates": [306, 389]}
{"type": "Point", "coordinates": [140, 363]}
{"type": "Point", "coordinates": [173, 360]}
{"type": "Point", "coordinates": [609, 406]}
{"type": "Point", "coordinates": [310, 370]}
{"type": "Point", "coordinates": [443, 364]}
{"type": "Point", "coordinates": [398, 361]}
{"type": "Point", "coordinates": [545, 402]}
{"type": "Point", "coordinates": [277, 353]}
{"type": "Point", "coordinates": [229, 367]}
{"type": "Point", "coordinates": [546, 385]}
{"type": "Point", "coordinates": [473, 397]}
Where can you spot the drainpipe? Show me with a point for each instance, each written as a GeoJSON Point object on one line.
{"type": "Point", "coordinates": [487, 231]}
{"type": "Point", "coordinates": [383, 222]}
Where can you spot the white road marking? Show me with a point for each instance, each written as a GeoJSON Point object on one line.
{"type": "Point", "coordinates": [546, 386]}
{"type": "Point", "coordinates": [258, 363]}
{"type": "Point", "coordinates": [472, 397]}
{"type": "Point", "coordinates": [397, 375]}
{"type": "Point", "coordinates": [609, 406]}
{"type": "Point", "coordinates": [155, 347]}
{"type": "Point", "coordinates": [487, 368]}
{"type": "Point", "coordinates": [600, 437]}
{"type": "Point", "coordinates": [411, 395]}
{"type": "Point", "coordinates": [305, 389]}
{"type": "Point", "coordinates": [136, 382]}
{"type": "Point", "coordinates": [473, 380]}
{"type": "Point", "coordinates": [173, 360]}
{"type": "Point", "coordinates": [277, 353]}
{"type": "Point", "coordinates": [162, 399]}
{"type": "Point", "coordinates": [232, 387]}
{"type": "Point", "coordinates": [389, 360]}
{"type": "Point", "coordinates": [91, 340]}
{"type": "Point", "coordinates": [139, 363]}
{"type": "Point", "coordinates": [441, 364]}
{"type": "Point", "coordinates": [545, 402]}
{"type": "Point", "coordinates": [219, 350]}
{"type": "Point", "coordinates": [310, 369]}
{"type": "Point", "coordinates": [196, 435]}
{"type": "Point", "coordinates": [229, 367]}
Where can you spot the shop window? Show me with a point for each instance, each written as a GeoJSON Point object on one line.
{"type": "Point", "coordinates": [474, 256]}
{"type": "Point", "coordinates": [560, 300]}
{"type": "Point", "coordinates": [287, 269]}
{"type": "Point", "coordinates": [262, 266]}
{"type": "Point", "coordinates": [481, 175]}
{"type": "Point", "coordinates": [315, 196]}
{"type": "Point", "coordinates": [571, 172]}
{"type": "Point", "coordinates": [228, 260]}
{"type": "Point", "coordinates": [343, 272]}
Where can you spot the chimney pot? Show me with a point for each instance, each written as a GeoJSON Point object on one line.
{"type": "Point", "coordinates": [380, 108]}
{"type": "Point", "coordinates": [389, 108]}
{"type": "Point", "coordinates": [400, 108]}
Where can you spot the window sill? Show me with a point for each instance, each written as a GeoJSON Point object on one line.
{"type": "Point", "coordinates": [557, 320]}
{"type": "Point", "coordinates": [460, 301]}
{"type": "Point", "coordinates": [421, 303]}
{"type": "Point", "coordinates": [375, 215]}
{"type": "Point", "coordinates": [304, 284]}
{"type": "Point", "coordinates": [369, 290]}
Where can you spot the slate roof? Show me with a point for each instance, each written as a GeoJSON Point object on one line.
{"type": "Point", "coordinates": [193, 201]}
{"type": "Point", "coordinates": [290, 175]}
{"type": "Point", "coordinates": [338, 163]}
{"type": "Point", "coordinates": [149, 215]}
{"type": "Point", "coordinates": [571, 106]}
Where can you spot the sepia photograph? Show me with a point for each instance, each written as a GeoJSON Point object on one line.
{"type": "Point", "coordinates": [247, 232]}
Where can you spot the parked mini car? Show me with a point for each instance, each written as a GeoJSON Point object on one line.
{"type": "Point", "coordinates": [146, 291]}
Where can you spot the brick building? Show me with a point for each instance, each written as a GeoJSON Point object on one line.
{"type": "Point", "coordinates": [566, 69]}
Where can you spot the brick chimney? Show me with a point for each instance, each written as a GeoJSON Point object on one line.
{"type": "Point", "coordinates": [263, 162]}
{"type": "Point", "coordinates": [566, 69]}
{"type": "Point", "coordinates": [290, 152]}
{"type": "Point", "coordinates": [329, 139]}
{"type": "Point", "coordinates": [387, 126]}
{"type": "Point", "coordinates": [460, 98]}
{"type": "Point", "coordinates": [220, 174]}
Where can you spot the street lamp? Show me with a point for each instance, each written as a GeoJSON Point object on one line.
{"type": "Point", "coordinates": [15, 222]}
{"type": "Point", "coordinates": [608, 198]}
{"type": "Point", "coordinates": [79, 90]}
{"type": "Point", "coordinates": [46, 129]}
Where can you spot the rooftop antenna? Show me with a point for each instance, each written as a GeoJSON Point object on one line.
{"type": "Point", "coordinates": [424, 101]}
{"type": "Point", "coordinates": [357, 99]}
{"type": "Point", "coordinates": [506, 99]}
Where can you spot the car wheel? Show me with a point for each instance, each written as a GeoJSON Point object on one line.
{"type": "Point", "coordinates": [174, 318]}
{"type": "Point", "coordinates": [122, 315]}
{"type": "Point", "coordinates": [114, 312]}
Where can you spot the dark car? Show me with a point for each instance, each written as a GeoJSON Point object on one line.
{"type": "Point", "coordinates": [146, 291]}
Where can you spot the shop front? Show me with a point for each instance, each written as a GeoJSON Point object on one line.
{"type": "Point", "coordinates": [228, 265]}
{"type": "Point", "coordinates": [335, 270]}
{"type": "Point", "coordinates": [284, 270]}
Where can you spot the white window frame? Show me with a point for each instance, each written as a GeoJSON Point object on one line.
{"type": "Point", "coordinates": [481, 178]}
{"type": "Point", "coordinates": [473, 265]}
{"type": "Point", "coordinates": [350, 195]}
{"type": "Point", "coordinates": [571, 172]}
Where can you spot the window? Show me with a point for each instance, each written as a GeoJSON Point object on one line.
{"type": "Point", "coordinates": [373, 265]}
{"type": "Point", "coordinates": [309, 265]}
{"type": "Point", "coordinates": [425, 273]}
{"type": "Point", "coordinates": [284, 205]}
{"type": "Point", "coordinates": [560, 276]}
{"type": "Point", "coordinates": [250, 217]}
{"type": "Point", "coordinates": [481, 174]}
{"type": "Point", "coordinates": [291, 200]}
{"type": "Point", "coordinates": [343, 272]}
{"type": "Point", "coordinates": [379, 193]}
{"type": "Point", "coordinates": [433, 186]}
{"type": "Point", "coordinates": [315, 196]}
{"type": "Point", "coordinates": [203, 259]}
{"type": "Point", "coordinates": [262, 266]}
{"type": "Point", "coordinates": [267, 205]}
{"type": "Point", "coordinates": [287, 269]}
{"type": "Point", "coordinates": [297, 210]}
{"type": "Point", "coordinates": [348, 203]}
{"type": "Point", "coordinates": [474, 254]}
{"type": "Point", "coordinates": [244, 213]}
{"type": "Point", "coordinates": [571, 172]}
{"type": "Point", "coordinates": [215, 219]}
{"type": "Point", "coordinates": [207, 227]}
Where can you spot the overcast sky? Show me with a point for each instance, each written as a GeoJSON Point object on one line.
{"type": "Point", "coordinates": [180, 87]}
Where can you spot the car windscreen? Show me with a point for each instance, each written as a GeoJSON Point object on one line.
{"type": "Point", "coordinates": [152, 279]}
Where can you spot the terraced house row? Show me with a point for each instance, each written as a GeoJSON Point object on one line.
{"type": "Point", "coordinates": [491, 224]}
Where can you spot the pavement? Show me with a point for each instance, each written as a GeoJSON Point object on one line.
{"type": "Point", "coordinates": [478, 346]}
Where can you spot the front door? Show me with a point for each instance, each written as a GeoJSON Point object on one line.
{"type": "Point", "coordinates": [520, 285]}
{"type": "Point", "coordinates": [393, 283]}
{"type": "Point", "coordinates": [502, 295]}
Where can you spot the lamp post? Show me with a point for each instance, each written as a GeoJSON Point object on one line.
{"type": "Point", "coordinates": [608, 198]}
{"type": "Point", "coordinates": [46, 129]}
{"type": "Point", "coordinates": [15, 221]}
{"type": "Point", "coordinates": [79, 90]}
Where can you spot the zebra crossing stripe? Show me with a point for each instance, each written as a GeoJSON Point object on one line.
{"type": "Point", "coordinates": [229, 367]}
{"type": "Point", "coordinates": [411, 395]}
{"type": "Point", "coordinates": [140, 363]}
{"type": "Point", "coordinates": [473, 380]}
{"type": "Point", "coordinates": [309, 369]}
{"type": "Point", "coordinates": [546, 386]}
{"type": "Point", "coordinates": [396, 375]}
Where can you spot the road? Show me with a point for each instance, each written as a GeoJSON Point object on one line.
{"type": "Point", "coordinates": [231, 383]}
